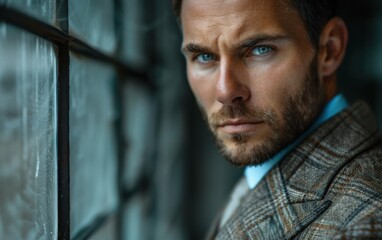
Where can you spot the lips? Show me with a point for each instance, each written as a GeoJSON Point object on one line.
{"type": "Point", "coordinates": [238, 126]}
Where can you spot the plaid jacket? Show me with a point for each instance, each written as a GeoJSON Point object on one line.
{"type": "Point", "coordinates": [329, 187]}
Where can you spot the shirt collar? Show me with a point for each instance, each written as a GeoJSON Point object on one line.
{"type": "Point", "coordinates": [254, 174]}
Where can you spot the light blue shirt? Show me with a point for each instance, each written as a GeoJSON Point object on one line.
{"type": "Point", "coordinates": [254, 174]}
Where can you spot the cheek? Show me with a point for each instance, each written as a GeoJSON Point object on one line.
{"type": "Point", "coordinates": [275, 85]}
{"type": "Point", "coordinates": [202, 88]}
{"type": "Point", "coordinates": [272, 84]}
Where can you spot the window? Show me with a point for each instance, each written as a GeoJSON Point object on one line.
{"type": "Point", "coordinates": [66, 147]}
{"type": "Point", "coordinates": [28, 137]}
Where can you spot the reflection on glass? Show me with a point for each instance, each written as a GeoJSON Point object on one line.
{"type": "Point", "coordinates": [93, 22]}
{"type": "Point", "coordinates": [44, 10]}
{"type": "Point", "coordinates": [140, 122]}
{"type": "Point", "coordinates": [28, 180]}
{"type": "Point", "coordinates": [135, 33]}
{"type": "Point", "coordinates": [93, 146]}
{"type": "Point", "coordinates": [108, 231]}
{"type": "Point", "coordinates": [135, 220]}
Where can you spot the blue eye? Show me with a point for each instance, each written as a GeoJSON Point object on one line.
{"type": "Point", "coordinates": [261, 50]}
{"type": "Point", "coordinates": [205, 57]}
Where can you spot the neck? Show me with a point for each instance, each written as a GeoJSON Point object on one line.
{"type": "Point", "coordinates": [330, 85]}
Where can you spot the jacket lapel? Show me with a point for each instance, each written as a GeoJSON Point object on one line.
{"type": "Point", "coordinates": [294, 193]}
{"type": "Point", "coordinates": [268, 213]}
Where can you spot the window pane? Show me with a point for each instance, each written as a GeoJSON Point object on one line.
{"type": "Point", "coordinates": [136, 32]}
{"type": "Point", "coordinates": [28, 186]}
{"type": "Point", "coordinates": [136, 223]}
{"type": "Point", "coordinates": [107, 232]}
{"type": "Point", "coordinates": [140, 123]}
{"type": "Point", "coordinates": [93, 166]}
{"type": "Point", "coordinates": [44, 10]}
{"type": "Point", "coordinates": [93, 22]}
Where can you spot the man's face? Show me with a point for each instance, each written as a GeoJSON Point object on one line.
{"type": "Point", "coordinates": [253, 71]}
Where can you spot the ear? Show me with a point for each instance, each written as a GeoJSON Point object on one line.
{"type": "Point", "coordinates": [332, 47]}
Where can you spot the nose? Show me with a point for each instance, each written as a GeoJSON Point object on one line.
{"type": "Point", "coordinates": [231, 87]}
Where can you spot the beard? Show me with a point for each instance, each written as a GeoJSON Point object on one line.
{"type": "Point", "coordinates": [297, 114]}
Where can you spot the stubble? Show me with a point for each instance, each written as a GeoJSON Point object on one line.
{"type": "Point", "coordinates": [298, 113]}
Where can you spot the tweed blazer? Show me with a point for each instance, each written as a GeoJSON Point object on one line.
{"type": "Point", "coordinates": [328, 187]}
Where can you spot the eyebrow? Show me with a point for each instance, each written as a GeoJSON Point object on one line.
{"type": "Point", "coordinates": [248, 43]}
{"type": "Point", "coordinates": [194, 48]}
{"type": "Point", "coordinates": [252, 41]}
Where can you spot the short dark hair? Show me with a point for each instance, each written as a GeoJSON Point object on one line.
{"type": "Point", "coordinates": [314, 13]}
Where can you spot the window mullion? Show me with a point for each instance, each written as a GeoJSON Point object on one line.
{"type": "Point", "coordinates": [63, 140]}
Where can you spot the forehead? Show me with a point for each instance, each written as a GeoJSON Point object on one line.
{"type": "Point", "coordinates": [211, 6]}
{"type": "Point", "coordinates": [238, 19]}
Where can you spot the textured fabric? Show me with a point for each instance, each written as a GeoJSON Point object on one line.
{"type": "Point", "coordinates": [239, 192]}
{"type": "Point", "coordinates": [328, 187]}
{"type": "Point", "coordinates": [254, 174]}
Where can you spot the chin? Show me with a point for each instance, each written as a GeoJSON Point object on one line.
{"type": "Point", "coordinates": [247, 153]}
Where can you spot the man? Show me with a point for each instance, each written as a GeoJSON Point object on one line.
{"type": "Point", "coordinates": [264, 75]}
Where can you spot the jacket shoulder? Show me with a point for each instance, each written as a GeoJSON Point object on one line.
{"type": "Point", "coordinates": [356, 196]}
{"type": "Point", "coordinates": [369, 227]}
{"type": "Point", "coordinates": [362, 175]}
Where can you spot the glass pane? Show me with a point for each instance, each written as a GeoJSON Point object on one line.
{"type": "Point", "coordinates": [135, 221]}
{"type": "Point", "coordinates": [107, 232]}
{"type": "Point", "coordinates": [93, 143]}
{"type": "Point", "coordinates": [136, 32]}
{"type": "Point", "coordinates": [28, 180]}
{"type": "Point", "coordinates": [44, 10]}
{"type": "Point", "coordinates": [93, 22]}
{"type": "Point", "coordinates": [140, 123]}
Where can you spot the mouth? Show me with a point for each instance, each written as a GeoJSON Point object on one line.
{"type": "Point", "coordinates": [238, 126]}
